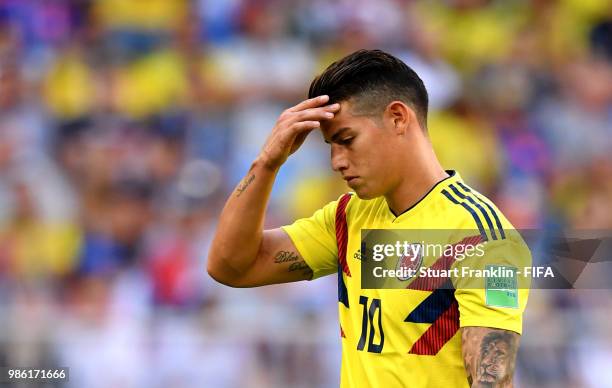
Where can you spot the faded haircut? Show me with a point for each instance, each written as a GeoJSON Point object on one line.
{"type": "Point", "coordinates": [371, 79]}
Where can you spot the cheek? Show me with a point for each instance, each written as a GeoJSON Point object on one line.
{"type": "Point", "coordinates": [380, 163]}
{"type": "Point", "coordinates": [369, 152]}
{"type": "Point", "coordinates": [367, 162]}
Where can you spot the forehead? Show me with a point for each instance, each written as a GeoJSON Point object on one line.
{"type": "Point", "coordinates": [344, 118]}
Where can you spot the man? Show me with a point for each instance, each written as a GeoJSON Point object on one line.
{"type": "Point", "coordinates": [372, 110]}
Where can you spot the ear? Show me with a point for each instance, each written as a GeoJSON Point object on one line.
{"type": "Point", "coordinates": [399, 116]}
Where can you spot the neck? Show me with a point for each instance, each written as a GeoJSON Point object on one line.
{"type": "Point", "coordinates": [416, 181]}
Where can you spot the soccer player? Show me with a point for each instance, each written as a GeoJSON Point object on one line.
{"type": "Point", "coordinates": [372, 110]}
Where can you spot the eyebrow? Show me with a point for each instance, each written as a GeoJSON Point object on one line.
{"type": "Point", "coordinates": [336, 135]}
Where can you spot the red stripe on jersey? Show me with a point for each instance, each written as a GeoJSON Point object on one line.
{"type": "Point", "coordinates": [447, 324]}
{"type": "Point", "coordinates": [439, 333]}
{"type": "Point", "coordinates": [342, 233]}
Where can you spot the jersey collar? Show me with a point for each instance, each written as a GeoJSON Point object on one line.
{"type": "Point", "coordinates": [452, 177]}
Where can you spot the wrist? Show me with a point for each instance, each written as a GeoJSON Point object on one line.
{"type": "Point", "coordinates": [263, 162]}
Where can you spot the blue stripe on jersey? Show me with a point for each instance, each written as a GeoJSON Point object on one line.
{"type": "Point", "coordinates": [342, 291]}
{"type": "Point", "coordinates": [469, 209]}
{"type": "Point", "coordinates": [482, 210]}
{"type": "Point", "coordinates": [432, 307]}
{"type": "Point", "coordinates": [497, 221]}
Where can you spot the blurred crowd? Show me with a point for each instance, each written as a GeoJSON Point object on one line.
{"type": "Point", "coordinates": [124, 124]}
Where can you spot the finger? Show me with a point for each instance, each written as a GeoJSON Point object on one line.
{"type": "Point", "coordinates": [310, 103]}
{"type": "Point", "coordinates": [305, 126]}
{"type": "Point", "coordinates": [321, 113]}
{"type": "Point", "coordinates": [332, 107]}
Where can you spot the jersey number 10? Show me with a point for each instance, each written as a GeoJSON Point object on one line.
{"type": "Point", "coordinates": [368, 317]}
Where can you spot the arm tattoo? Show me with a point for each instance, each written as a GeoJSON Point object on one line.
{"type": "Point", "coordinates": [489, 356]}
{"type": "Point", "coordinates": [244, 184]}
{"type": "Point", "coordinates": [301, 266]}
{"type": "Point", "coordinates": [285, 257]}
{"type": "Point", "coordinates": [495, 358]}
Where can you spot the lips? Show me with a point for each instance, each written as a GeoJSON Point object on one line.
{"type": "Point", "coordinates": [348, 179]}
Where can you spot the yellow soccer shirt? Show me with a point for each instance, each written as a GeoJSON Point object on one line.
{"type": "Point", "coordinates": [410, 337]}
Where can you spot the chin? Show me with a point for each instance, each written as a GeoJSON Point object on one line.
{"type": "Point", "coordinates": [364, 193]}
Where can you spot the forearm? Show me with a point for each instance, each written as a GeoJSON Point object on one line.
{"type": "Point", "coordinates": [238, 240]}
{"type": "Point", "coordinates": [240, 228]}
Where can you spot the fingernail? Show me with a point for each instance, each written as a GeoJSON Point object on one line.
{"type": "Point", "coordinates": [336, 105]}
{"type": "Point", "coordinates": [324, 97]}
{"type": "Point", "coordinates": [329, 114]}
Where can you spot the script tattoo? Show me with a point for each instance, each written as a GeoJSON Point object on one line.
{"type": "Point", "coordinates": [489, 355]}
{"type": "Point", "coordinates": [245, 183]}
{"type": "Point", "coordinates": [300, 266]}
{"type": "Point", "coordinates": [285, 257]}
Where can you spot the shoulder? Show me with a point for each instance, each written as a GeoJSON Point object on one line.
{"type": "Point", "coordinates": [467, 207]}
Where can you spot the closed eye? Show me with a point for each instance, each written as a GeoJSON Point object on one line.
{"type": "Point", "coordinates": [346, 140]}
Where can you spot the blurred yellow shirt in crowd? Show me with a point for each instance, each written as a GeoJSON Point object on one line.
{"type": "Point", "coordinates": [68, 86]}
{"type": "Point", "coordinates": [468, 146]}
{"type": "Point", "coordinates": [35, 249]}
{"type": "Point", "coordinates": [141, 14]}
{"type": "Point", "coordinates": [474, 36]}
{"type": "Point", "coordinates": [151, 84]}
{"type": "Point", "coordinates": [566, 28]}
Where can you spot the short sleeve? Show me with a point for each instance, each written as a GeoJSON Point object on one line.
{"type": "Point", "coordinates": [495, 293]}
{"type": "Point", "coordinates": [315, 240]}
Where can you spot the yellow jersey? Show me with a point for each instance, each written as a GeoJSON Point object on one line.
{"type": "Point", "coordinates": [409, 337]}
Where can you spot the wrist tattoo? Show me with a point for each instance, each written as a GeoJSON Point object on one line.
{"type": "Point", "coordinates": [244, 184]}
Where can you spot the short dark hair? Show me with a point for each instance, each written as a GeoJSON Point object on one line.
{"type": "Point", "coordinates": [373, 78]}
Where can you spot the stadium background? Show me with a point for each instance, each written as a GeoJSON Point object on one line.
{"type": "Point", "coordinates": [125, 124]}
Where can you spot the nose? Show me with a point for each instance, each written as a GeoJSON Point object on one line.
{"type": "Point", "coordinates": [339, 161]}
